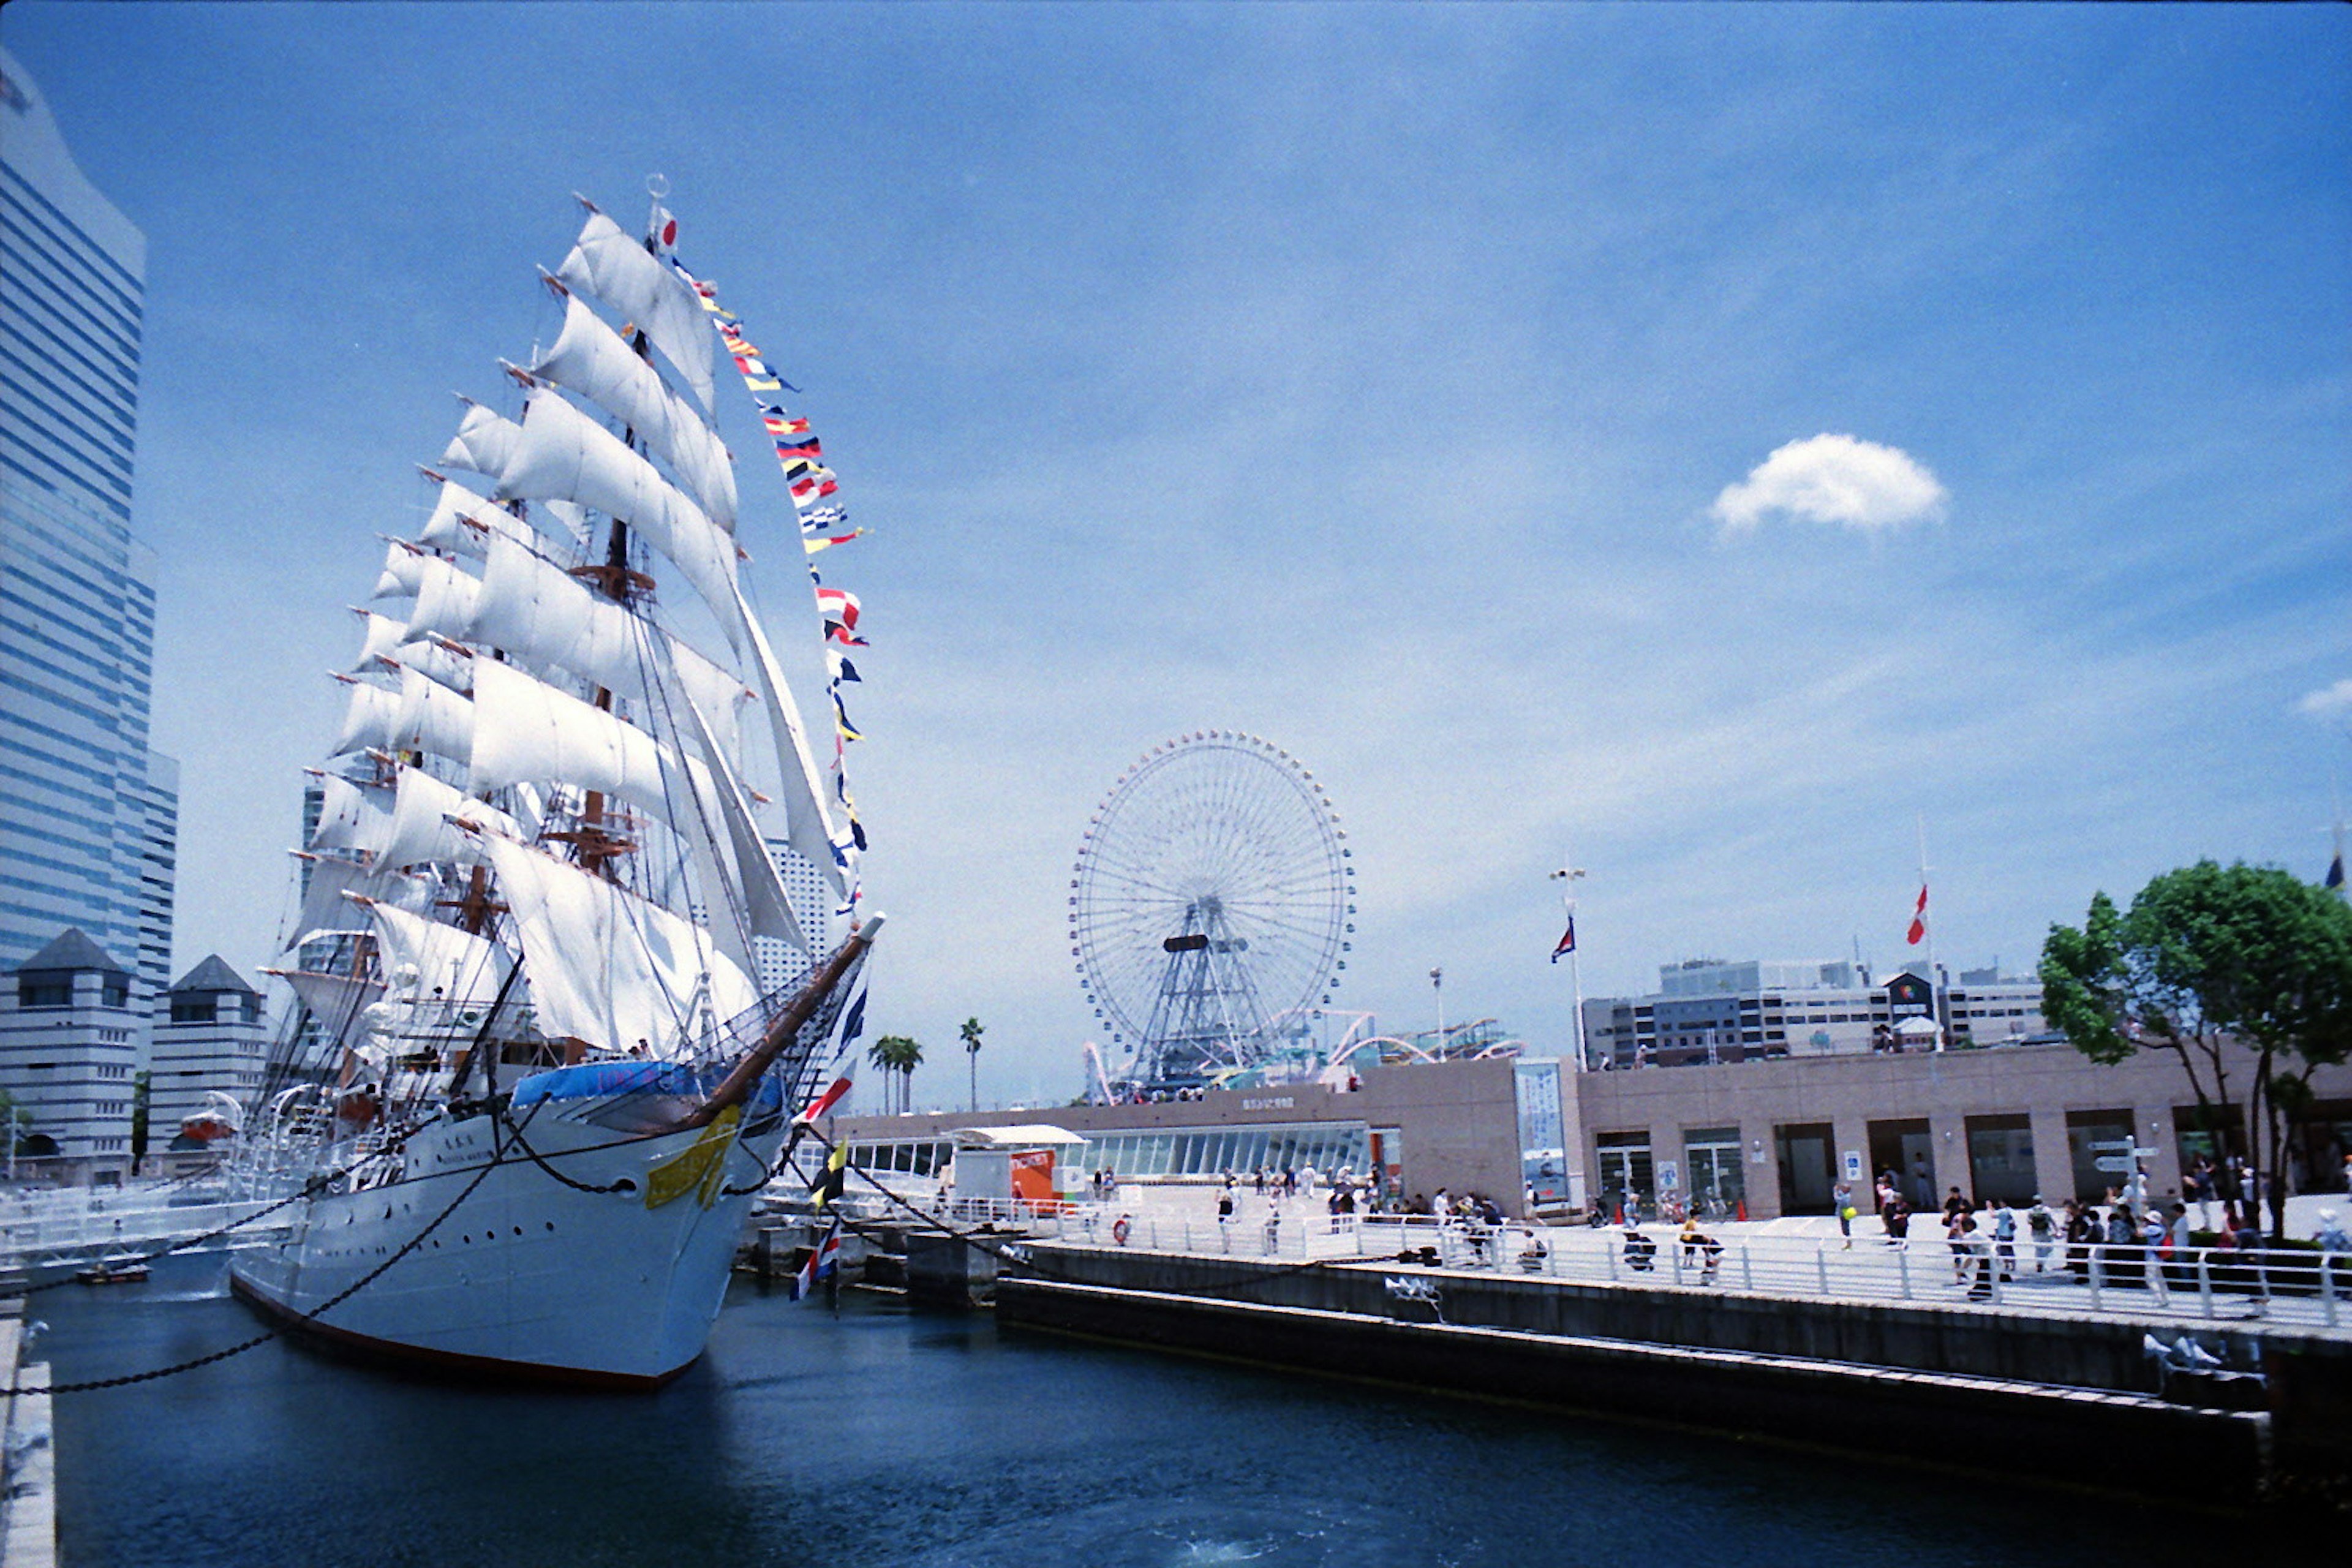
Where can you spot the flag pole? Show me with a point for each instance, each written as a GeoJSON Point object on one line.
{"type": "Point", "coordinates": [1938, 1006]}
{"type": "Point", "coordinates": [1568, 876]}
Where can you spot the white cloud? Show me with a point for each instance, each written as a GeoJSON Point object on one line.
{"type": "Point", "coordinates": [1835, 478]}
{"type": "Point", "coordinates": [2328, 700]}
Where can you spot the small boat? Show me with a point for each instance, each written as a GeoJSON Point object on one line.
{"type": "Point", "coordinates": [113, 1271]}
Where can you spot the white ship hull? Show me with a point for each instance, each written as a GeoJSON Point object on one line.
{"type": "Point", "coordinates": [527, 1276]}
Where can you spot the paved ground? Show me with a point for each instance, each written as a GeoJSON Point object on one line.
{"type": "Point", "coordinates": [1801, 1257]}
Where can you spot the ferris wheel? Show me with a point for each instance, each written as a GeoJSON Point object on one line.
{"type": "Point", "coordinates": [1211, 905]}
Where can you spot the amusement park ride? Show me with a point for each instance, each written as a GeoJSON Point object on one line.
{"type": "Point", "coordinates": [1211, 912]}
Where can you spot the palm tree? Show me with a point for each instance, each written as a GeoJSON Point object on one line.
{"type": "Point", "coordinates": [971, 1033]}
{"type": "Point", "coordinates": [898, 1054]}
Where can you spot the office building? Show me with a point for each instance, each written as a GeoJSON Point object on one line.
{"type": "Point", "coordinates": [87, 810]}
{"type": "Point", "coordinates": [73, 1033]}
{"type": "Point", "coordinates": [780, 964]}
{"type": "Point", "coordinates": [210, 1038]}
{"type": "Point", "coordinates": [1707, 1011]}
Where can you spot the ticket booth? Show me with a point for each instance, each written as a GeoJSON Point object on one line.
{"type": "Point", "coordinates": [1024, 1165]}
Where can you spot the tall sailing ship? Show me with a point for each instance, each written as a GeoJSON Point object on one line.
{"type": "Point", "coordinates": [534, 1085]}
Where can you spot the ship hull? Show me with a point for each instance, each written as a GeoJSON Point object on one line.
{"type": "Point", "coordinates": [527, 1276]}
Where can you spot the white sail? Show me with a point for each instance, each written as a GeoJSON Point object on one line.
{"type": "Point", "coordinates": [527, 730]}
{"type": "Point", "coordinates": [437, 664]}
{"type": "Point", "coordinates": [351, 815]}
{"type": "Point", "coordinates": [808, 825]}
{"type": "Point", "coordinates": [604, 966]}
{"type": "Point", "coordinates": [566, 454]}
{"type": "Point", "coordinates": [591, 359]}
{"type": "Point", "coordinates": [369, 717]}
{"type": "Point", "coordinates": [767, 909]}
{"type": "Point", "coordinates": [548, 618]}
{"type": "Point", "coordinates": [620, 271]}
{"type": "Point", "coordinates": [445, 601]}
{"type": "Point", "coordinates": [573, 517]}
{"type": "Point", "coordinates": [424, 812]}
{"type": "Point", "coordinates": [463, 524]}
{"type": "Point", "coordinates": [434, 961]}
{"type": "Point", "coordinates": [403, 570]}
{"type": "Point", "coordinates": [382, 635]}
{"type": "Point", "coordinates": [324, 908]}
{"type": "Point", "coordinates": [484, 443]}
{"type": "Point", "coordinates": [432, 718]}
{"type": "Point", "coordinates": [336, 999]}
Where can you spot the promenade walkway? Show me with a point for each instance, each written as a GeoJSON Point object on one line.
{"type": "Point", "coordinates": [1799, 1259]}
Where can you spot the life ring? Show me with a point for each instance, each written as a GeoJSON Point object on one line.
{"type": "Point", "coordinates": [1121, 1230]}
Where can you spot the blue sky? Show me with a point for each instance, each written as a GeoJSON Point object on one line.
{"type": "Point", "coordinates": [1364, 377]}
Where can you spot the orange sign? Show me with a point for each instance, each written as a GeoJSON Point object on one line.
{"type": "Point", "coordinates": [1033, 1176]}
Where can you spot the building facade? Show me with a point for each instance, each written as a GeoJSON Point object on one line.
{"type": "Point", "coordinates": [210, 1038]}
{"type": "Point", "coordinates": [779, 965]}
{"type": "Point", "coordinates": [1417, 1127]}
{"type": "Point", "coordinates": [1710, 1012]}
{"type": "Point", "coordinates": [73, 1035]}
{"type": "Point", "coordinates": [1774, 1136]}
{"type": "Point", "coordinates": [86, 808]}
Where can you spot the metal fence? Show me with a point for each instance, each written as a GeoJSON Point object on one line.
{"type": "Point", "coordinates": [2285, 1286]}
{"type": "Point", "coordinates": [83, 1224]}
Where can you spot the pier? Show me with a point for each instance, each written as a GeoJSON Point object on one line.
{"type": "Point", "coordinates": [2100, 1372]}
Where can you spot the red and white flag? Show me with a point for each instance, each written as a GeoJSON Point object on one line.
{"type": "Point", "coordinates": [1918, 933]}
{"type": "Point", "coordinates": [823, 1102]}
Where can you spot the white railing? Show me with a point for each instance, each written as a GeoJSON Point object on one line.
{"type": "Point", "coordinates": [2285, 1287]}
{"type": "Point", "coordinates": [43, 1229]}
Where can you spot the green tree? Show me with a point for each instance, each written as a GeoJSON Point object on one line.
{"type": "Point", "coordinates": [2214, 964]}
{"type": "Point", "coordinates": [972, 1032]}
{"type": "Point", "coordinates": [899, 1055]}
{"type": "Point", "coordinates": [140, 1082]}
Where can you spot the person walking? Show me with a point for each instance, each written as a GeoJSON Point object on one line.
{"type": "Point", "coordinates": [2042, 1226]}
{"type": "Point", "coordinates": [2081, 1230]}
{"type": "Point", "coordinates": [2004, 1241]}
{"type": "Point", "coordinates": [1842, 1199]}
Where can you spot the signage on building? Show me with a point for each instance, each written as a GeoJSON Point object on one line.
{"type": "Point", "coordinates": [1271, 1102]}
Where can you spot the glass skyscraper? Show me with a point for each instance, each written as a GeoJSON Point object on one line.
{"type": "Point", "coordinates": [88, 813]}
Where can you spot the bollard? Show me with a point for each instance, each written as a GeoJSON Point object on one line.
{"type": "Point", "coordinates": [2205, 1281]}
{"type": "Point", "coordinates": [1903, 1270]}
{"type": "Point", "coordinates": [2327, 1285]}
{"type": "Point", "coordinates": [2095, 1272]}
{"type": "Point", "coordinates": [1822, 1266]}
{"type": "Point", "coordinates": [1676, 1248]}
{"type": "Point", "coordinates": [1610, 1251]}
{"type": "Point", "coordinates": [1747, 1267]}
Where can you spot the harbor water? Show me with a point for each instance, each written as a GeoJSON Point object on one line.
{"type": "Point", "coordinates": [875, 1435]}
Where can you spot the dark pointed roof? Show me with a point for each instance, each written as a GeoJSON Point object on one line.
{"type": "Point", "coordinates": [72, 950]}
{"type": "Point", "coordinates": [212, 974]}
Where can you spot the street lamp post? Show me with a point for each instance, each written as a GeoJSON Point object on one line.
{"type": "Point", "coordinates": [1568, 876]}
{"type": "Point", "coordinates": [1437, 992]}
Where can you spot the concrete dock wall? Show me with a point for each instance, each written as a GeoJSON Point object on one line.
{"type": "Point", "coordinates": [1984, 1424]}
{"type": "Point", "coordinates": [2083, 1351]}
{"type": "Point", "coordinates": [1999, 1390]}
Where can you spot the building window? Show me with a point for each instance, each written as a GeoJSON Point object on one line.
{"type": "Point", "coordinates": [44, 990]}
